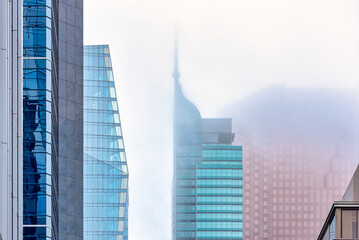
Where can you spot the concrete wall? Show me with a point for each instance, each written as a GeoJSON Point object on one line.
{"type": "Point", "coordinates": [70, 32]}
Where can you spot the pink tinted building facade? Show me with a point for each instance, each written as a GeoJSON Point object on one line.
{"type": "Point", "coordinates": [300, 150]}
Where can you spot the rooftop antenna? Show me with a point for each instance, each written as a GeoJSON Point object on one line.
{"type": "Point", "coordinates": [176, 73]}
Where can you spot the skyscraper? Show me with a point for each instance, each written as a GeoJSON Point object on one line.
{"type": "Point", "coordinates": [11, 120]}
{"type": "Point", "coordinates": [301, 148]}
{"type": "Point", "coordinates": [219, 183]}
{"type": "Point", "coordinates": [41, 129]}
{"type": "Point", "coordinates": [52, 119]}
{"type": "Point", "coordinates": [68, 16]}
{"type": "Point", "coordinates": [105, 164]}
{"type": "Point", "coordinates": [207, 174]}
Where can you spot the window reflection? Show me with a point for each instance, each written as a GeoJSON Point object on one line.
{"type": "Point", "coordinates": [31, 173]}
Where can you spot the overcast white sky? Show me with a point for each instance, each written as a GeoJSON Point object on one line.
{"type": "Point", "coordinates": [228, 49]}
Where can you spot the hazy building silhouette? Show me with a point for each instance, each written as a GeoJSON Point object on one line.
{"type": "Point", "coordinates": [207, 174]}
{"type": "Point", "coordinates": [105, 164]}
{"type": "Point", "coordinates": [301, 148]}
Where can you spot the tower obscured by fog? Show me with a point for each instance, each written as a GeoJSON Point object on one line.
{"type": "Point", "coordinates": [207, 185]}
{"type": "Point", "coordinates": [301, 148]}
{"type": "Point", "coordinates": [207, 198]}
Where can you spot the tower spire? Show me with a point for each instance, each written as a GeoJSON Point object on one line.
{"type": "Point", "coordinates": [176, 73]}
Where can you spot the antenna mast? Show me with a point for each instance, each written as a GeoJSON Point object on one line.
{"type": "Point", "coordinates": [176, 73]}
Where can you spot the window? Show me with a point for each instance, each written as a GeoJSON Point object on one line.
{"type": "Point", "coordinates": [349, 224]}
{"type": "Point", "coordinates": [332, 229]}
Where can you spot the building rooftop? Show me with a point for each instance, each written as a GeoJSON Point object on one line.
{"type": "Point", "coordinates": [338, 225]}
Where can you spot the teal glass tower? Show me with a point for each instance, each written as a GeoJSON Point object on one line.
{"type": "Point", "coordinates": [207, 195]}
{"type": "Point", "coordinates": [219, 193]}
{"type": "Point", "coordinates": [105, 165]}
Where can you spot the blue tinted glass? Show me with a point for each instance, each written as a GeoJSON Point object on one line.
{"type": "Point", "coordinates": [105, 165]}
{"type": "Point", "coordinates": [208, 180]}
{"type": "Point", "coordinates": [37, 119]}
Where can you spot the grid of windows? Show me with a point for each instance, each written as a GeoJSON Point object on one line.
{"type": "Point", "coordinates": [290, 160]}
{"type": "Point", "coordinates": [187, 154]}
{"type": "Point", "coordinates": [343, 222]}
{"type": "Point", "coordinates": [289, 191]}
{"type": "Point", "coordinates": [105, 165]}
{"type": "Point", "coordinates": [219, 193]}
{"type": "Point", "coordinates": [38, 159]}
{"type": "Point", "coordinates": [208, 176]}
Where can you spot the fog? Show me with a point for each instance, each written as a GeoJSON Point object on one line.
{"type": "Point", "coordinates": [228, 50]}
{"type": "Point", "coordinates": [300, 150]}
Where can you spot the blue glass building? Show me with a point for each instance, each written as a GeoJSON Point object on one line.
{"type": "Point", "coordinates": [207, 196]}
{"type": "Point", "coordinates": [52, 119]}
{"type": "Point", "coordinates": [39, 160]}
{"type": "Point", "coordinates": [105, 165]}
{"type": "Point", "coordinates": [219, 183]}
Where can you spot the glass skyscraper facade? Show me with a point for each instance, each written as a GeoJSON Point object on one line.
{"type": "Point", "coordinates": [105, 165]}
{"type": "Point", "coordinates": [52, 119]}
{"type": "Point", "coordinates": [207, 174]}
{"type": "Point", "coordinates": [41, 82]}
{"type": "Point", "coordinates": [39, 123]}
{"type": "Point", "coordinates": [219, 192]}
{"type": "Point", "coordinates": [187, 155]}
